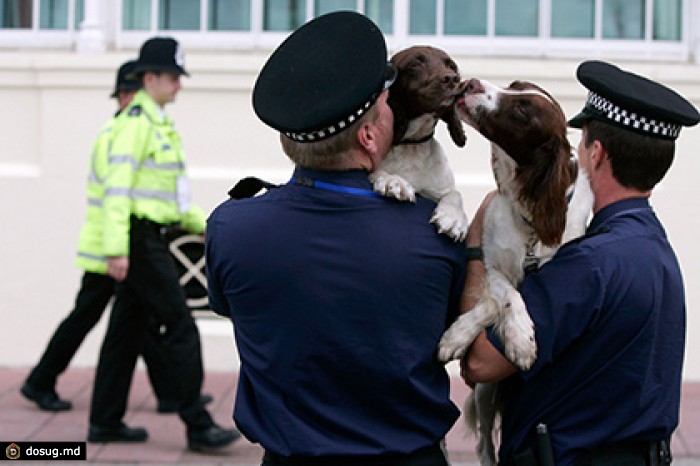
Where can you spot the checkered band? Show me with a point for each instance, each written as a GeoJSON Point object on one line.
{"type": "Point", "coordinates": [333, 129]}
{"type": "Point", "coordinates": [609, 110]}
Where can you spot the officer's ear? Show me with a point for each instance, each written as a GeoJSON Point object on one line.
{"type": "Point", "coordinates": [368, 132]}
{"type": "Point", "coordinates": [149, 77]}
{"type": "Point", "coordinates": [366, 137]}
{"type": "Point", "coordinates": [598, 153]}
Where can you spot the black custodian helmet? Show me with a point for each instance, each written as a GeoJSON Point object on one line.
{"type": "Point", "coordinates": [125, 79]}
{"type": "Point", "coordinates": [161, 54]}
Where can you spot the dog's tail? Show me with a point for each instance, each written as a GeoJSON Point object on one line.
{"type": "Point", "coordinates": [481, 412]}
{"type": "Point", "coordinates": [470, 412]}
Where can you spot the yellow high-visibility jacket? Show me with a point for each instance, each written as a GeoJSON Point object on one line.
{"type": "Point", "coordinates": [90, 252]}
{"type": "Point", "coordinates": [146, 176]}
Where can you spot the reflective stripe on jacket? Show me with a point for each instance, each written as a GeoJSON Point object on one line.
{"type": "Point", "coordinates": [144, 165]}
{"type": "Point", "coordinates": [90, 252]}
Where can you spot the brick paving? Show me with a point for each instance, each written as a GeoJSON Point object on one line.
{"type": "Point", "coordinates": [21, 421]}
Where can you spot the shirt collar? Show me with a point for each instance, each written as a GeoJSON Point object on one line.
{"type": "Point", "coordinates": [354, 178]}
{"type": "Point", "coordinates": [609, 211]}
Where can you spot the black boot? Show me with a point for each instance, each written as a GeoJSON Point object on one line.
{"type": "Point", "coordinates": [47, 400]}
{"type": "Point", "coordinates": [210, 438]}
{"type": "Point", "coordinates": [121, 433]}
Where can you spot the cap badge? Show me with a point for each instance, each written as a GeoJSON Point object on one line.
{"type": "Point", "coordinates": [180, 56]}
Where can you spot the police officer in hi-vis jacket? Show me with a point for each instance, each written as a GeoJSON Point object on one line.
{"type": "Point", "coordinates": [97, 287]}
{"type": "Point", "coordinates": [147, 200]}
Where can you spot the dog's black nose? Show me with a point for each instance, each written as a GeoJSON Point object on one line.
{"type": "Point", "coordinates": [474, 86]}
{"type": "Point", "coordinates": [450, 80]}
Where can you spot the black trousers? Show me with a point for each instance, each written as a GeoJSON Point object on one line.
{"type": "Point", "coordinates": [95, 292]}
{"type": "Point", "coordinates": [151, 286]}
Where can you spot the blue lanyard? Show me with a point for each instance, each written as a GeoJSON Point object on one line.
{"type": "Point", "coordinates": [311, 183]}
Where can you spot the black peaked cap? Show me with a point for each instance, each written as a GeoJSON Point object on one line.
{"type": "Point", "coordinates": [632, 102]}
{"type": "Point", "coordinates": [323, 77]}
{"type": "Point", "coordinates": [125, 79]}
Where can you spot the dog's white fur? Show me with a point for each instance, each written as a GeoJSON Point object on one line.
{"type": "Point", "coordinates": [423, 168]}
{"type": "Point", "coordinates": [505, 239]}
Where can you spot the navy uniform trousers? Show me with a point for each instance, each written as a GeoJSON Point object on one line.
{"type": "Point", "coordinates": [95, 292]}
{"type": "Point", "coordinates": [151, 286]}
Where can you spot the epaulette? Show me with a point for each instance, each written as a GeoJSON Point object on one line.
{"type": "Point", "coordinates": [249, 187]}
{"type": "Point", "coordinates": [135, 110]}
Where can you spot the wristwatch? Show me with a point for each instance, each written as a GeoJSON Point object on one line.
{"type": "Point", "coordinates": [475, 253]}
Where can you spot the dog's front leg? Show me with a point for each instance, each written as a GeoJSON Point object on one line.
{"type": "Point", "coordinates": [465, 329]}
{"type": "Point", "coordinates": [515, 327]}
{"type": "Point", "coordinates": [580, 208]}
{"type": "Point", "coordinates": [449, 216]}
{"type": "Point", "coordinates": [519, 334]}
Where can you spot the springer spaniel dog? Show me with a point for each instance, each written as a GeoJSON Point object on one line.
{"type": "Point", "coordinates": [543, 200]}
{"type": "Point", "coordinates": [425, 92]}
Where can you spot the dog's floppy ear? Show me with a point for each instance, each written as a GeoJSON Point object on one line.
{"type": "Point", "coordinates": [400, 117]}
{"type": "Point", "coordinates": [454, 125]}
{"type": "Point", "coordinates": [544, 185]}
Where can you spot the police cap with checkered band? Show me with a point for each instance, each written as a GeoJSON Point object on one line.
{"type": "Point", "coordinates": [161, 54]}
{"type": "Point", "coordinates": [323, 77]}
{"type": "Point", "coordinates": [633, 102]}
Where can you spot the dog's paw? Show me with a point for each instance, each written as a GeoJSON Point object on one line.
{"type": "Point", "coordinates": [455, 340]}
{"type": "Point", "coordinates": [520, 344]}
{"type": "Point", "coordinates": [390, 185]}
{"type": "Point", "coordinates": [450, 221]}
{"type": "Point", "coordinates": [451, 348]}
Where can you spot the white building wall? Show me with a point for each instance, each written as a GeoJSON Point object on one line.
{"type": "Point", "coordinates": [53, 103]}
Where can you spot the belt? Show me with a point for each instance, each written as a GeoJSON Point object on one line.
{"type": "Point", "coordinates": [422, 456]}
{"type": "Point", "coordinates": [165, 230]}
{"type": "Point", "coordinates": [645, 453]}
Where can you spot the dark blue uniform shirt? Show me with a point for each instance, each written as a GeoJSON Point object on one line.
{"type": "Point", "coordinates": [338, 301]}
{"type": "Point", "coordinates": [609, 311]}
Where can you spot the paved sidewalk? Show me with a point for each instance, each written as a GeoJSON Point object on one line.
{"type": "Point", "coordinates": [21, 421]}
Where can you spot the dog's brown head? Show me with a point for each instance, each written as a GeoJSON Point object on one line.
{"type": "Point", "coordinates": [530, 127]}
{"type": "Point", "coordinates": [428, 83]}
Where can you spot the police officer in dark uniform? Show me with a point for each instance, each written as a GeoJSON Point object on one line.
{"type": "Point", "coordinates": [147, 200]}
{"type": "Point", "coordinates": [338, 296]}
{"type": "Point", "coordinates": [609, 308]}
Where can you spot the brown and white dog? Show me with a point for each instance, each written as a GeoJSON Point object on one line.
{"type": "Point", "coordinates": [543, 200]}
{"type": "Point", "coordinates": [425, 91]}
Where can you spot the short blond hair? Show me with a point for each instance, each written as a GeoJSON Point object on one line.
{"type": "Point", "coordinates": [329, 153]}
